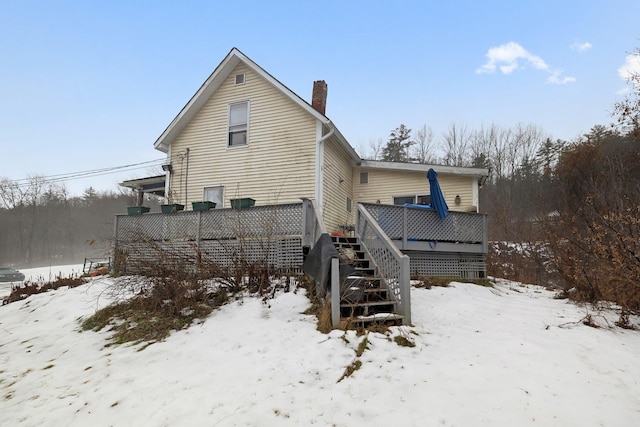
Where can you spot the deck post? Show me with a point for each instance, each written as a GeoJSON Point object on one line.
{"type": "Point", "coordinates": [335, 292]}
{"type": "Point", "coordinates": [404, 228]}
{"type": "Point", "coordinates": [405, 288]}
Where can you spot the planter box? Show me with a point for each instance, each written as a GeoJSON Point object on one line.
{"type": "Point", "coordinates": [242, 203]}
{"type": "Point", "coordinates": [137, 210]}
{"type": "Point", "coordinates": [203, 206]}
{"type": "Point", "coordinates": [173, 207]}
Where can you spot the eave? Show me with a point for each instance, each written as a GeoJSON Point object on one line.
{"type": "Point", "coordinates": [419, 167]}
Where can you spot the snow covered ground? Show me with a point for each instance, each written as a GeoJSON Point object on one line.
{"type": "Point", "coordinates": [504, 356]}
{"type": "Point", "coordinates": [40, 274]}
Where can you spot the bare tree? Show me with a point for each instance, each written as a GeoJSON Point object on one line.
{"type": "Point", "coordinates": [21, 199]}
{"type": "Point", "coordinates": [423, 149]}
{"type": "Point", "coordinates": [480, 145]}
{"type": "Point", "coordinates": [375, 148]}
{"type": "Point", "coordinates": [628, 110]}
{"type": "Point", "coordinates": [456, 141]}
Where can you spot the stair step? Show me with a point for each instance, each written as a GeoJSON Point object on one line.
{"type": "Point", "coordinates": [365, 300]}
{"type": "Point", "coordinates": [367, 304]}
{"type": "Point", "coordinates": [388, 319]}
{"type": "Point", "coordinates": [344, 239]}
{"type": "Point", "coordinates": [366, 271]}
{"type": "Point", "coordinates": [355, 246]}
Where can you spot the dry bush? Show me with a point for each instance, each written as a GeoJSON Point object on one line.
{"type": "Point", "coordinates": [522, 262]}
{"type": "Point", "coordinates": [27, 289]}
{"type": "Point", "coordinates": [595, 236]}
{"type": "Point", "coordinates": [179, 287]}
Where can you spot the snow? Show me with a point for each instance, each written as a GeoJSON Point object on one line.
{"type": "Point", "coordinates": [42, 274]}
{"type": "Point", "coordinates": [508, 355]}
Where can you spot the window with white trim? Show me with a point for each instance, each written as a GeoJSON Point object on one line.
{"type": "Point", "coordinates": [214, 194]}
{"type": "Point", "coordinates": [240, 79]}
{"type": "Point", "coordinates": [364, 177]}
{"type": "Point", "coordinates": [238, 123]}
{"type": "Point", "coordinates": [418, 199]}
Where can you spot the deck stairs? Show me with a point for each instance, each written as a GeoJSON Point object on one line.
{"type": "Point", "coordinates": [365, 301]}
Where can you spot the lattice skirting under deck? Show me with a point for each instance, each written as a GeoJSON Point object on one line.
{"type": "Point", "coordinates": [284, 255]}
{"type": "Point", "coordinates": [447, 264]}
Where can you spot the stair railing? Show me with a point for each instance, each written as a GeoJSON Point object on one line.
{"type": "Point", "coordinates": [391, 265]}
{"type": "Point", "coordinates": [312, 229]}
{"type": "Point", "coordinates": [312, 225]}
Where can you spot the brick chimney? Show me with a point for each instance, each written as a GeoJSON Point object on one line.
{"type": "Point", "coordinates": [319, 96]}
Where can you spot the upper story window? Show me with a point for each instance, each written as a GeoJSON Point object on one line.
{"type": "Point", "coordinates": [238, 123]}
{"type": "Point", "coordinates": [364, 177]}
{"type": "Point", "coordinates": [240, 79]}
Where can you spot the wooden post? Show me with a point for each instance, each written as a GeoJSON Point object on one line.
{"type": "Point", "coordinates": [335, 292]}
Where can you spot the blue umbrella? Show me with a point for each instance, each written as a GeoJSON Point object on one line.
{"type": "Point", "coordinates": [437, 198]}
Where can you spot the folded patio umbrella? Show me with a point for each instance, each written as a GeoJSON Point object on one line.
{"type": "Point", "coordinates": [437, 198]}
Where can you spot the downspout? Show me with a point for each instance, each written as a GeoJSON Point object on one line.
{"type": "Point", "coordinates": [186, 177]}
{"type": "Point", "coordinates": [167, 178]}
{"type": "Point", "coordinates": [167, 187]}
{"type": "Point", "coordinates": [320, 174]}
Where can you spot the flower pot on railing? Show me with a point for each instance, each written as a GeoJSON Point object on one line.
{"type": "Point", "coordinates": [242, 203]}
{"type": "Point", "coordinates": [171, 207]}
{"type": "Point", "coordinates": [203, 206]}
{"type": "Point", "coordinates": [137, 210]}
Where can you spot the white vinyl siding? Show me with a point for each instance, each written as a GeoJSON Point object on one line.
{"type": "Point", "coordinates": [278, 162]}
{"type": "Point", "coordinates": [384, 185]}
{"type": "Point", "coordinates": [338, 185]}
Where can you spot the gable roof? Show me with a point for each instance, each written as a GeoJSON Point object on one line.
{"type": "Point", "coordinates": [213, 82]}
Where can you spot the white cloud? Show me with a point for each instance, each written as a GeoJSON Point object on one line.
{"type": "Point", "coordinates": [581, 47]}
{"type": "Point", "coordinates": [507, 58]}
{"type": "Point", "coordinates": [557, 78]}
{"type": "Point", "coordinates": [630, 68]}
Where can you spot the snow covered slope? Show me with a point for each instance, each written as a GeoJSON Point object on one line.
{"type": "Point", "coordinates": [509, 355]}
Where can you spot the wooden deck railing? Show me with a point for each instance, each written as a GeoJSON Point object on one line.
{"type": "Point", "coordinates": [391, 265]}
{"type": "Point", "coordinates": [420, 229]}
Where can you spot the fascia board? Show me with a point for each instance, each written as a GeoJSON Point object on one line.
{"type": "Point", "coordinates": [419, 167]}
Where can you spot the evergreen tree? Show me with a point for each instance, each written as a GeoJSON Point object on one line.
{"type": "Point", "coordinates": [397, 148]}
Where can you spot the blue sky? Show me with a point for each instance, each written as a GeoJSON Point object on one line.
{"type": "Point", "coordinates": [91, 85]}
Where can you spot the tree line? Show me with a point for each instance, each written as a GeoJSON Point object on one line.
{"type": "Point", "coordinates": [561, 213]}
{"type": "Point", "coordinates": [41, 224]}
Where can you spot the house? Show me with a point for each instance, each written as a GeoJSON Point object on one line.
{"type": "Point", "coordinates": [246, 136]}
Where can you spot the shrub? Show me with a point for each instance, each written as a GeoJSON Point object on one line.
{"type": "Point", "coordinates": [27, 289]}
{"type": "Point", "coordinates": [173, 293]}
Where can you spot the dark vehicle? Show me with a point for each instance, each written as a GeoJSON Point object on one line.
{"type": "Point", "coordinates": [10, 275]}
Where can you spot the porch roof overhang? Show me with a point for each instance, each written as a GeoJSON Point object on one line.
{"type": "Point", "coordinates": [419, 167]}
{"type": "Point", "coordinates": [153, 185]}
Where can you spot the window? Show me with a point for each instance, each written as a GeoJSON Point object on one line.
{"type": "Point", "coordinates": [349, 204]}
{"type": "Point", "coordinates": [364, 177]}
{"type": "Point", "coordinates": [238, 121]}
{"type": "Point", "coordinates": [423, 200]}
{"type": "Point", "coordinates": [214, 194]}
{"type": "Point", "coordinates": [239, 79]}
{"type": "Point", "coordinates": [417, 199]}
{"type": "Point", "coordinates": [403, 199]}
